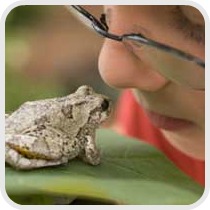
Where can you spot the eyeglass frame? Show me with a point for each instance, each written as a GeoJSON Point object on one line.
{"type": "Point", "coordinates": [101, 28]}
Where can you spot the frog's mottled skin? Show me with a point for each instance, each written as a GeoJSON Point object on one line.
{"type": "Point", "coordinates": [53, 131]}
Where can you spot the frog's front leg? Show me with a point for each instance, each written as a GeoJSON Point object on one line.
{"type": "Point", "coordinates": [90, 154]}
{"type": "Point", "coordinates": [27, 152]}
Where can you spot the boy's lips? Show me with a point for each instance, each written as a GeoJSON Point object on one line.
{"type": "Point", "coordinates": [168, 123]}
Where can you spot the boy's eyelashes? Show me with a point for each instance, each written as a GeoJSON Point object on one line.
{"type": "Point", "coordinates": [190, 29]}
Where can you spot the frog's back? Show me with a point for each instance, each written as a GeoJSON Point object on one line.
{"type": "Point", "coordinates": [27, 114]}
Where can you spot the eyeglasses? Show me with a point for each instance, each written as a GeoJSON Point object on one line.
{"type": "Point", "coordinates": [174, 64]}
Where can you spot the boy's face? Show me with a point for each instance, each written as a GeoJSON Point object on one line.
{"type": "Point", "coordinates": [176, 109]}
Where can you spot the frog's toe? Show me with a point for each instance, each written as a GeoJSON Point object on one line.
{"type": "Point", "coordinates": [91, 158]}
{"type": "Point", "coordinates": [26, 164]}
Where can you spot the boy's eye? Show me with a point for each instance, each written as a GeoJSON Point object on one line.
{"type": "Point", "coordinates": [188, 25]}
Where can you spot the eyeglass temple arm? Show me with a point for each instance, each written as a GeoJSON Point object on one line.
{"type": "Point", "coordinates": [140, 38]}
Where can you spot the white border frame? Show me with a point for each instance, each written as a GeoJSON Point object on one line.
{"type": "Point", "coordinates": [7, 6]}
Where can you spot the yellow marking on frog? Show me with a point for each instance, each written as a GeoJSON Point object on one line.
{"type": "Point", "coordinates": [27, 153]}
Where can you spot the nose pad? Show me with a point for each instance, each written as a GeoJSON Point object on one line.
{"type": "Point", "coordinates": [105, 105]}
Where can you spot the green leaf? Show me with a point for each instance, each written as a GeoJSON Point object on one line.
{"type": "Point", "coordinates": [131, 172]}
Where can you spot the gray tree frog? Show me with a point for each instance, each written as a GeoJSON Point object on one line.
{"type": "Point", "coordinates": [53, 131]}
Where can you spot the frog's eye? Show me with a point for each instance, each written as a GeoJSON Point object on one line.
{"type": "Point", "coordinates": [105, 105]}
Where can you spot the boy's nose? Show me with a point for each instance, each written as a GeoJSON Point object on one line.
{"type": "Point", "coordinates": [122, 69]}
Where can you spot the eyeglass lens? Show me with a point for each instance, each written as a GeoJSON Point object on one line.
{"type": "Point", "coordinates": [170, 66]}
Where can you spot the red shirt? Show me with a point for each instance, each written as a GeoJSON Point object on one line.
{"type": "Point", "coordinates": [134, 122]}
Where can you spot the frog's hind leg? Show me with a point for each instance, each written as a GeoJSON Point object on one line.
{"type": "Point", "coordinates": [16, 160]}
{"type": "Point", "coordinates": [41, 147]}
{"type": "Point", "coordinates": [27, 152]}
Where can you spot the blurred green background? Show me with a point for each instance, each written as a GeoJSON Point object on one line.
{"type": "Point", "coordinates": [49, 53]}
